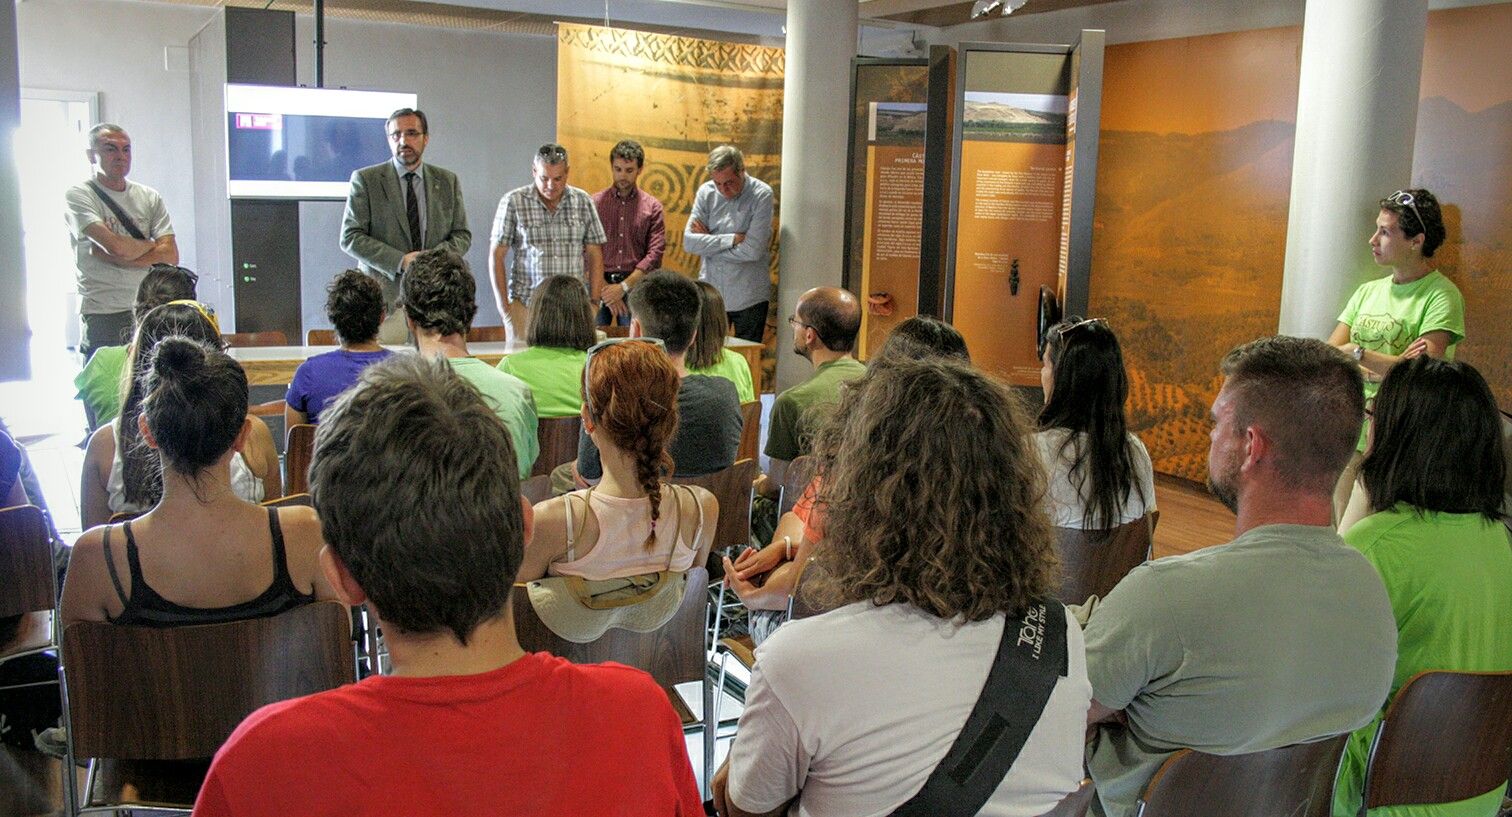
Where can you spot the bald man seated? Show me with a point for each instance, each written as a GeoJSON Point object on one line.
{"type": "Point", "coordinates": [825, 324]}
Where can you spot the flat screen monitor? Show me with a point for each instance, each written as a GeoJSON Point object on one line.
{"type": "Point", "coordinates": [303, 143]}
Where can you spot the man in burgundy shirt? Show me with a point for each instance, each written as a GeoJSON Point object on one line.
{"type": "Point", "coordinates": [632, 220]}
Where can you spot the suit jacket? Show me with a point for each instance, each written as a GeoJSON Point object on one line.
{"type": "Point", "coordinates": [374, 229]}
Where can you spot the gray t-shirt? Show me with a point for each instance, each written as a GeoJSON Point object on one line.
{"type": "Point", "coordinates": [1284, 635]}
{"type": "Point", "coordinates": [103, 286]}
{"type": "Point", "coordinates": [708, 430]}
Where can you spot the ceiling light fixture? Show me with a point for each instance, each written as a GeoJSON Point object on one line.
{"type": "Point", "coordinates": [982, 8]}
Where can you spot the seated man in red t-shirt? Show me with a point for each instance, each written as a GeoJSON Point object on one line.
{"type": "Point", "coordinates": [415, 481]}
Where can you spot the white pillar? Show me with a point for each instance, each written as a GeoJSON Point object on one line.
{"type": "Point", "coordinates": [821, 40]}
{"type": "Point", "coordinates": [1356, 120]}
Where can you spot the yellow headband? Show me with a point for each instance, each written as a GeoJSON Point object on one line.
{"type": "Point", "coordinates": [207, 311]}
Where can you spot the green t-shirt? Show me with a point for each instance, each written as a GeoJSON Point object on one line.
{"type": "Point", "coordinates": [511, 399]}
{"type": "Point", "coordinates": [733, 367]}
{"type": "Point", "coordinates": [1282, 636]}
{"type": "Point", "coordinates": [791, 423]}
{"type": "Point", "coordinates": [554, 375]}
{"type": "Point", "coordinates": [99, 383]}
{"type": "Point", "coordinates": [1385, 317]}
{"type": "Point", "coordinates": [1449, 577]}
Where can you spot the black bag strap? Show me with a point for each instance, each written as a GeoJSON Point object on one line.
{"type": "Point", "coordinates": [1030, 658]}
{"type": "Point", "coordinates": [120, 214]}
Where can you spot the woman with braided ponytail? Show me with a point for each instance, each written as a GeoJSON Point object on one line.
{"type": "Point", "coordinates": [630, 523]}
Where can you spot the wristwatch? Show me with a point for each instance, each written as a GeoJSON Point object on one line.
{"type": "Point", "coordinates": [1359, 353]}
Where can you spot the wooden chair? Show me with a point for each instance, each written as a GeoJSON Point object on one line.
{"type": "Point", "coordinates": [272, 408]}
{"type": "Point", "coordinates": [1446, 736]}
{"type": "Point", "coordinates": [299, 448]}
{"type": "Point", "coordinates": [27, 580]}
{"type": "Point", "coordinates": [537, 489]}
{"type": "Point", "coordinates": [321, 337]}
{"type": "Point", "coordinates": [243, 339]}
{"type": "Point", "coordinates": [732, 487]}
{"type": "Point", "coordinates": [1095, 561]}
{"type": "Point", "coordinates": [558, 437]}
{"type": "Point", "coordinates": [615, 331]}
{"type": "Point", "coordinates": [1295, 780]}
{"type": "Point", "coordinates": [750, 431]}
{"type": "Point", "coordinates": [672, 654]}
{"type": "Point", "coordinates": [487, 334]}
{"type": "Point", "coordinates": [150, 706]}
{"type": "Point", "coordinates": [299, 500]}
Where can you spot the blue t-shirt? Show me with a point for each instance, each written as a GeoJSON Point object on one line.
{"type": "Point", "coordinates": [318, 380]}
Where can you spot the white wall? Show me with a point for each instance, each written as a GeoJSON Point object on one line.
{"type": "Point", "coordinates": [13, 333]}
{"type": "Point", "coordinates": [491, 102]}
{"type": "Point", "coordinates": [117, 49]}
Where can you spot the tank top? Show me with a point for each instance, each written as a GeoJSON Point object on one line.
{"type": "Point", "coordinates": [624, 524]}
{"type": "Point", "coordinates": [145, 608]}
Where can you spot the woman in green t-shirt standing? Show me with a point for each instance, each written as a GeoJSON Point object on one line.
{"type": "Point", "coordinates": [1413, 312]}
{"type": "Point", "coordinates": [1434, 475]}
{"type": "Point", "coordinates": [559, 333]}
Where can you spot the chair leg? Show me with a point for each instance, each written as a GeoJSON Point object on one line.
{"type": "Point", "coordinates": [710, 734]}
{"type": "Point", "coordinates": [713, 635]}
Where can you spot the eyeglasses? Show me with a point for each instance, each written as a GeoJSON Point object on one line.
{"type": "Point", "coordinates": [793, 320]}
{"type": "Point", "coordinates": [1402, 197]}
{"type": "Point", "coordinates": [1075, 322]}
{"type": "Point", "coordinates": [601, 346]}
{"type": "Point", "coordinates": [552, 154]}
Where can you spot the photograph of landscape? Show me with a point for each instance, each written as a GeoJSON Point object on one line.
{"type": "Point", "coordinates": [897, 123]}
{"type": "Point", "coordinates": [999, 117]}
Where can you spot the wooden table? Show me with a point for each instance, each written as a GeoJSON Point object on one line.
{"type": "Point", "coordinates": [275, 365]}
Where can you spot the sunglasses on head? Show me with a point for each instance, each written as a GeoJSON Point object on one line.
{"type": "Point", "coordinates": [601, 346]}
{"type": "Point", "coordinates": [1076, 322]}
{"type": "Point", "coordinates": [1405, 199]}
{"type": "Point", "coordinates": [552, 154]}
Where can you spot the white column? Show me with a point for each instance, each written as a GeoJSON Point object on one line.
{"type": "Point", "coordinates": [1356, 120]}
{"type": "Point", "coordinates": [821, 40]}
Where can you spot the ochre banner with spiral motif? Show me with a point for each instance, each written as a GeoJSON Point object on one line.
{"type": "Point", "coordinates": [679, 97]}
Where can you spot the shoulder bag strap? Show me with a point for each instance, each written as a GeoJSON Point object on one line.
{"type": "Point", "coordinates": [120, 214]}
{"type": "Point", "coordinates": [1031, 657]}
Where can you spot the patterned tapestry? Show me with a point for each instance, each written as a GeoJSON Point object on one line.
{"type": "Point", "coordinates": [1189, 237]}
{"type": "Point", "coordinates": [679, 97]}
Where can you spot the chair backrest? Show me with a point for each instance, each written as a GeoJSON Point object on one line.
{"type": "Point", "coordinates": [26, 562]}
{"type": "Point", "coordinates": [795, 480]}
{"type": "Point", "coordinates": [1446, 736]}
{"type": "Point", "coordinates": [321, 337]}
{"type": "Point", "coordinates": [558, 437]}
{"type": "Point", "coordinates": [537, 489]}
{"type": "Point", "coordinates": [732, 487]}
{"type": "Point", "coordinates": [299, 500]}
{"type": "Point", "coordinates": [270, 338]}
{"type": "Point", "coordinates": [750, 431]}
{"type": "Point", "coordinates": [299, 447]}
{"type": "Point", "coordinates": [487, 334]}
{"type": "Point", "coordinates": [1295, 780]}
{"type": "Point", "coordinates": [615, 331]}
{"type": "Point", "coordinates": [147, 693]}
{"type": "Point", "coordinates": [1076, 803]}
{"type": "Point", "coordinates": [1093, 561]}
{"type": "Point", "coordinates": [672, 654]}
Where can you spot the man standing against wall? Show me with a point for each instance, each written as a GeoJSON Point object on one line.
{"type": "Point", "coordinates": [731, 229]}
{"type": "Point", "coordinates": [119, 229]}
{"type": "Point", "coordinates": [398, 209]}
{"type": "Point", "coordinates": [632, 220]}
{"type": "Point", "coordinates": [550, 228]}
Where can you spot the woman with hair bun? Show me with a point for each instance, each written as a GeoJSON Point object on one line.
{"type": "Point", "coordinates": [121, 474]}
{"type": "Point", "coordinates": [1412, 312]}
{"type": "Point", "coordinates": [202, 553]}
{"type": "Point", "coordinates": [631, 522]}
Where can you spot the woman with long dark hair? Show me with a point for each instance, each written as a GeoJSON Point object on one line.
{"type": "Point", "coordinates": [1100, 474]}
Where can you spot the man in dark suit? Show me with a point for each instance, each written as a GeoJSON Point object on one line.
{"type": "Point", "coordinates": [400, 208]}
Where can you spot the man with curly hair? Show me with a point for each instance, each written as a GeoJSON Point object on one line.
{"type": "Point", "coordinates": [439, 301]}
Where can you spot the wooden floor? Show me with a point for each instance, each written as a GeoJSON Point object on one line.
{"type": "Point", "coordinates": [1190, 518]}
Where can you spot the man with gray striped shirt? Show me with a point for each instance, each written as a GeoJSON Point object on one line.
{"type": "Point", "coordinates": [731, 229]}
